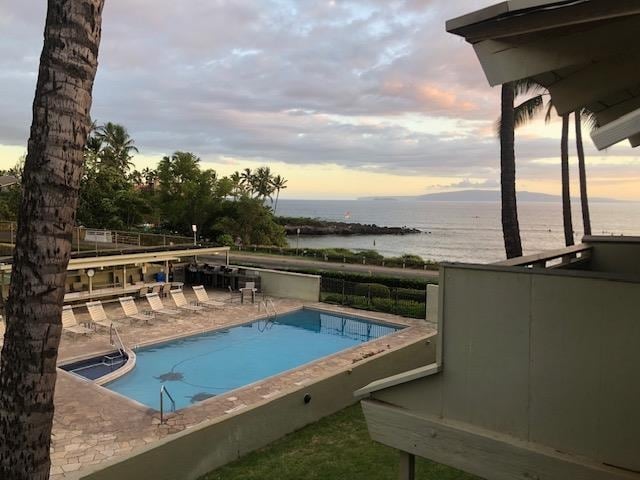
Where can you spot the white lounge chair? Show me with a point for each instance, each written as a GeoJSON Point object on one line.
{"type": "Point", "coordinates": [156, 305]}
{"type": "Point", "coordinates": [130, 308]}
{"type": "Point", "coordinates": [181, 301]}
{"type": "Point", "coordinates": [98, 315]}
{"type": "Point", "coordinates": [203, 297]}
{"type": "Point", "coordinates": [70, 324]}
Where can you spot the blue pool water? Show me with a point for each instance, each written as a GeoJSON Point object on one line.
{"type": "Point", "coordinates": [201, 366]}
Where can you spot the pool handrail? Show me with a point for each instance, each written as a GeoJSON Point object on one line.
{"type": "Point", "coordinates": [164, 391]}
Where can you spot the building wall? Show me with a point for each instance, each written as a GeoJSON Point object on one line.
{"type": "Point", "coordinates": [615, 254]}
{"type": "Point", "coordinates": [194, 452]}
{"type": "Point", "coordinates": [549, 358]}
{"type": "Point", "coordinates": [289, 285]}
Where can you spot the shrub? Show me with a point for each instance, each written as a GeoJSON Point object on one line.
{"type": "Point", "coordinates": [372, 290]}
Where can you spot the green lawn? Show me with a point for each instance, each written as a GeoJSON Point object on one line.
{"type": "Point", "coordinates": [337, 447]}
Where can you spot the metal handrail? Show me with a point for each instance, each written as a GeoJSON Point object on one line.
{"type": "Point", "coordinates": [266, 307]}
{"type": "Point", "coordinates": [113, 333]}
{"type": "Point", "coordinates": [164, 391]}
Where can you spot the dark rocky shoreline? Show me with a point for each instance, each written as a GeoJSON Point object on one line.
{"type": "Point", "coordinates": [312, 226]}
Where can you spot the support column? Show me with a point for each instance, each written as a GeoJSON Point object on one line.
{"type": "Point", "coordinates": [124, 275]}
{"type": "Point", "coordinates": [407, 466]}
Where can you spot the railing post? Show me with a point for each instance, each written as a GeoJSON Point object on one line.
{"type": "Point", "coordinates": [161, 407]}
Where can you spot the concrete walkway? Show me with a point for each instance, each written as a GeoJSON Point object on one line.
{"type": "Point", "coordinates": [297, 263]}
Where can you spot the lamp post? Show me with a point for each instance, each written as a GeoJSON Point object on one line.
{"type": "Point", "coordinates": [195, 233]}
{"type": "Point", "coordinates": [297, 241]}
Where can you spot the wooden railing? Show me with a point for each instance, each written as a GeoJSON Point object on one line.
{"type": "Point", "coordinates": [560, 258]}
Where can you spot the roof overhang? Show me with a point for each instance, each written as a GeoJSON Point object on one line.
{"type": "Point", "coordinates": [135, 258]}
{"type": "Point", "coordinates": [582, 51]}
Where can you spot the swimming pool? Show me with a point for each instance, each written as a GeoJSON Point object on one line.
{"type": "Point", "coordinates": [202, 366]}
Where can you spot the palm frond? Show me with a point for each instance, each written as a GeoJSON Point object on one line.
{"type": "Point", "coordinates": [528, 86]}
{"type": "Point", "coordinates": [528, 110]}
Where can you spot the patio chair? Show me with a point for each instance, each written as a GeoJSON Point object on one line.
{"type": "Point", "coordinates": [156, 305]}
{"type": "Point", "coordinates": [70, 324]}
{"type": "Point", "coordinates": [203, 297]}
{"type": "Point", "coordinates": [166, 288]}
{"type": "Point", "coordinates": [249, 287]}
{"type": "Point", "coordinates": [234, 294]}
{"type": "Point", "coordinates": [156, 289]}
{"type": "Point", "coordinates": [98, 315]}
{"type": "Point", "coordinates": [130, 308]}
{"type": "Point", "coordinates": [181, 301]}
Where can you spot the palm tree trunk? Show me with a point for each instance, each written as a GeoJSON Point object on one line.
{"type": "Point", "coordinates": [46, 219]}
{"type": "Point", "coordinates": [582, 171]}
{"type": "Point", "coordinates": [275, 208]}
{"type": "Point", "coordinates": [510, 225]}
{"type": "Point", "coordinates": [566, 193]}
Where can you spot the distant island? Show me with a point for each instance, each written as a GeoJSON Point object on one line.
{"type": "Point", "coordinates": [485, 196]}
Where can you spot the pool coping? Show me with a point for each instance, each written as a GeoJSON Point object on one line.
{"type": "Point", "coordinates": [129, 366]}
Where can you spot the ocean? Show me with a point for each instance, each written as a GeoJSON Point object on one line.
{"type": "Point", "coordinates": [456, 231]}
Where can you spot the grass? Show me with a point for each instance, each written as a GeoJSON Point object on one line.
{"type": "Point", "coordinates": [337, 447]}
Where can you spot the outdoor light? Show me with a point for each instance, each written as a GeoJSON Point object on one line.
{"type": "Point", "coordinates": [91, 272]}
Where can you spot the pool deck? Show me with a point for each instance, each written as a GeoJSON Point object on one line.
{"type": "Point", "coordinates": [94, 425]}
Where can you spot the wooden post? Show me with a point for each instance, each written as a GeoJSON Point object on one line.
{"type": "Point", "coordinates": [407, 466]}
{"type": "Point", "coordinates": [124, 276]}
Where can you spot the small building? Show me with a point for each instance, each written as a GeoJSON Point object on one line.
{"type": "Point", "coordinates": [538, 367]}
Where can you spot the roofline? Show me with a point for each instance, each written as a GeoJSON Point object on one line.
{"type": "Point", "coordinates": [497, 10]}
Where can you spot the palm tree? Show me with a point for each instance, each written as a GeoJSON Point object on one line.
{"type": "Point", "coordinates": [52, 176]}
{"type": "Point", "coordinates": [236, 180]}
{"type": "Point", "coordinates": [510, 225]}
{"type": "Point", "coordinates": [263, 183]}
{"type": "Point", "coordinates": [279, 183]}
{"type": "Point", "coordinates": [119, 146]}
{"type": "Point", "coordinates": [566, 192]}
{"type": "Point", "coordinates": [582, 172]}
{"type": "Point", "coordinates": [248, 180]}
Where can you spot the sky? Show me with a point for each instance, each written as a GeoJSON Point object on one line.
{"type": "Point", "coordinates": [343, 98]}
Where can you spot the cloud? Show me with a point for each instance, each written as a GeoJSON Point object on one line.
{"type": "Point", "coordinates": [466, 184]}
{"type": "Point", "coordinates": [345, 82]}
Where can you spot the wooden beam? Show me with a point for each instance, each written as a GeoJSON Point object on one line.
{"type": "Point", "coordinates": [398, 379]}
{"type": "Point", "coordinates": [407, 466]}
{"type": "Point", "coordinates": [523, 57]}
{"type": "Point", "coordinates": [595, 82]}
{"type": "Point", "coordinates": [484, 453]}
{"type": "Point", "coordinates": [627, 126]}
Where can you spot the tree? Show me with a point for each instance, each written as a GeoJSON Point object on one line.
{"type": "Point", "coordinates": [510, 225]}
{"type": "Point", "coordinates": [566, 193]}
{"type": "Point", "coordinates": [263, 183]}
{"type": "Point", "coordinates": [279, 183]}
{"type": "Point", "coordinates": [52, 174]}
{"type": "Point", "coordinates": [582, 173]}
{"type": "Point", "coordinates": [117, 148]}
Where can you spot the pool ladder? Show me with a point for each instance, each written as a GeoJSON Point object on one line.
{"type": "Point", "coordinates": [116, 340]}
{"type": "Point", "coordinates": [266, 304]}
{"type": "Point", "coordinates": [163, 392]}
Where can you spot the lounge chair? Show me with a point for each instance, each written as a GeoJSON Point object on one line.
{"type": "Point", "coordinates": [166, 289]}
{"type": "Point", "coordinates": [156, 289]}
{"type": "Point", "coordinates": [98, 315]}
{"type": "Point", "coordinates": [130, 308]}
{"type": "Point", "coordinates": [203, 297]}
{"type": "Point", "coordinates": [181, 301]}
{"type": "Point", "coordinates": [143, 291]}
{"type": "Point", "coordinates": [70, 324]}
{"type": "Point", "coordinates": [156, 305]}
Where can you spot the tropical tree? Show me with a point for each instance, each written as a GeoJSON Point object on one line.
{"type": "Point", "coordinates": [566, 190]}
{"type": "Point", "coordinates": [118, 148]}
{"type": "Point", "coordinates": [247, 180]}
{"type": "Point", "coordinates": [263, 183]}
{"type": "Point", "coordinates": [279, 183]}
{"type": "Point", "coordinates": [582, 169]}
{"type": "Point", "coordinates": [510, 225]}
{"type": "Point", "coordinates": [236, 180]}
{"type": "Point", "coordinates": [52, 174]}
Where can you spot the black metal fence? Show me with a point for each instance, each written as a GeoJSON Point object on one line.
{"type": "Point", "coordinates": [407, 302]}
